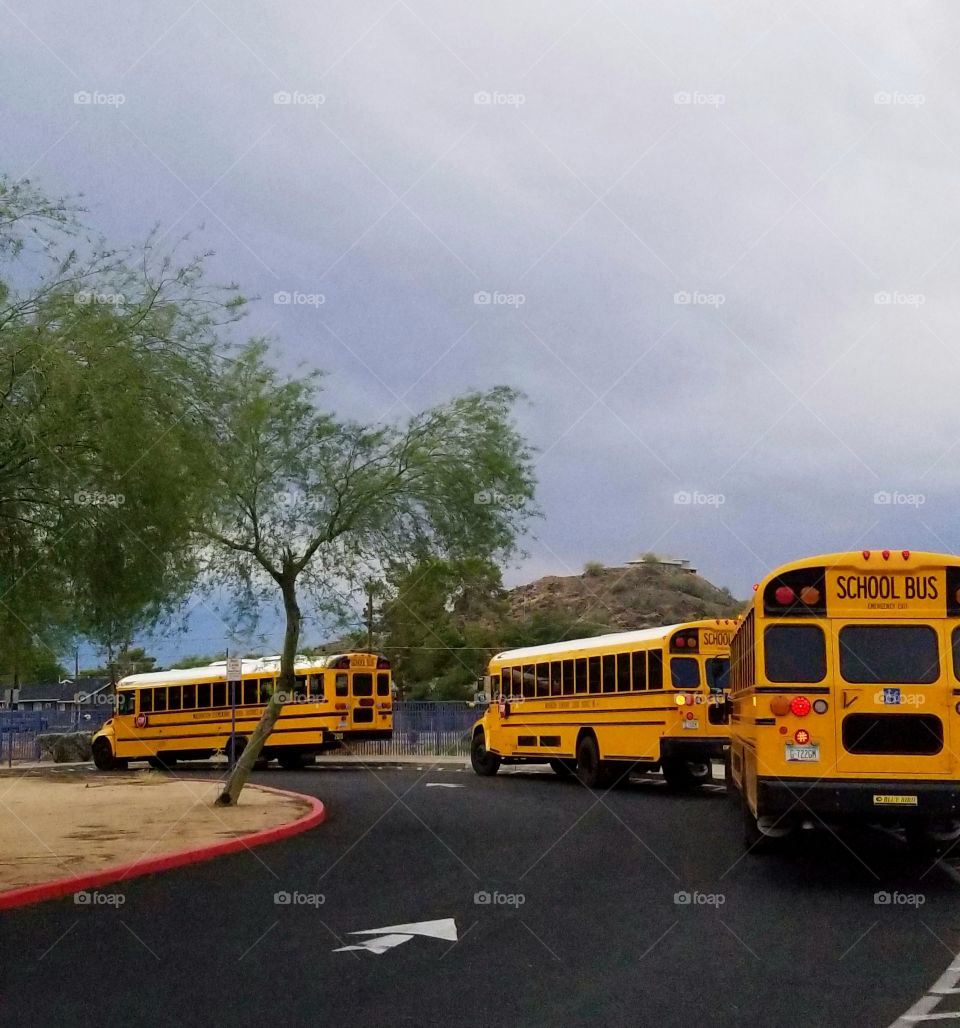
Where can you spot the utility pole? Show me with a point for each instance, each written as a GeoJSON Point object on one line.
{"type": "Point", "coordinates": [370, 587]}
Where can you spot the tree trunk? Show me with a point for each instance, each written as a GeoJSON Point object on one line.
{"type": "Point", "coordinates": [285, 687]}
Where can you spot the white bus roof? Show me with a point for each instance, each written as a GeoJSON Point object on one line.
{"type": "Point", "coordinates": [594, 642]}
{"type": "Point", "coordinates": [250, 666]}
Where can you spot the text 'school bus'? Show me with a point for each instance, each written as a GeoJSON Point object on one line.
{"type": "Point", "coordinates": [845, 696]}
{"type": "Point", "coordinates": [647, 700]}
{"type": "Point", "coordinates": [166, 716]}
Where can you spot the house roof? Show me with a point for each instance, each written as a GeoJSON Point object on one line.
{"type": "Point", "coordinates": [62, 692]}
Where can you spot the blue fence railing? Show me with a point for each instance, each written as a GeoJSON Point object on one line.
{"type": "Point", "coordinates": [19, 729]}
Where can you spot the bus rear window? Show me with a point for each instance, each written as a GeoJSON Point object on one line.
{"type": "Point", "coordinates": [685, 672]}
{"type": "Point", "coordinates": [881, 654]}
{"type": "Point", "coordinates": [795, 653]}
{"type": "Point", "coordinates": [718, 673]}
{"type": "Point", "coordinates": [362, 684]}
{"type": "Point", "coordinates": [383, 684]}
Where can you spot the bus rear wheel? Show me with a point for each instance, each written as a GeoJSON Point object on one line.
{"type": "Point", "coordinates": [762, 835]}
{"type": "Point", "coordinates": [484, 762]}
{"type": "Point", "coordinates": [685, 774]}
{"type": "Point", "coordinates": [103, 757]}
{"type": "Point", "coordinates": [290, 761]}
{"type": "Point", "coordinates": [591, 770]}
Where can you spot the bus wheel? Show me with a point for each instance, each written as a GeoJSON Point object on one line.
{"type": "Point", "coordinates": [590, 768]}
{"type": "Point", "coordinates": [103, 757]}
{"type": "Point", "coordinates": [290, 761]}
{"type": "Point", "coordinates": [561, 767]}
{"type": "Point", "coordinates": [484, 762]}
{"type": "Point", "coordinates": [763, 835]}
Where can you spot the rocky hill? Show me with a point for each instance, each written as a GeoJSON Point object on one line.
{"type": "Point", "coordinates": [621, 599]}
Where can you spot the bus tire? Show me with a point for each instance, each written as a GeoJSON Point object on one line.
{"type": "Point", "coordinates": [239, 745]}
{"type": "Point", "coordinates": [755, 839]}
{"type": "Point", "coordinates": [103, 757]}
{"type": "Point", "coordinates": [591, 770]}
{"type": "Point", "coordinates": [290, 760]}
{"type": "Point", "coordinates": [561, 767]}
{"type": "Point", "coordinates": [484, 762]}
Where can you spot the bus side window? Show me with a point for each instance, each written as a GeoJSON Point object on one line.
{"type": "Point", "coordinates": [189, 697]}
{"type": "Point", "coordinates": [556, 678]}
{"type": "Point", "coordinates": [567, 677]}
{"type": "Point", "coordinates": [383, 684]}
{"type": "Point", "coordinates": [581, 674]}
{"type": "Point", "coordinates": [146, 701]}
{"type": "Point", "coordinates": [174, 698]}
{"type": "Point", "coordinates": [655, 668]}
{"type": "Point", "coordinates": [341, 685]}
{"type": "Point", "coordinates": [266, 689]}
{"type": "Point", "coordinates": [543, 679]}
{"type": "Point", "coordinates": [315, 687]}
{"type": "Point", "coordinates": [203, 696]}
{"type": "Point", "coordinates": [623, 672]}
{"type": "Point", "coordinates": [529, 680]}
{"type": "Point", "coordinates": [593, 673]}
{"type": "Point", "coordinates": [219, 694]}
{"type": "Point", "coordinates": [639, 670]}
{"type": "Point", "coordinates": [609, 673]}
{"type": "Point", "coordinates": [126, 701]}
{"type": "Point", "coordinates": [160, 699]}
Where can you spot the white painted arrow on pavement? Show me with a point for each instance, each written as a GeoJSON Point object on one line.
{"type": "Point", "coordinates": [397, 934]}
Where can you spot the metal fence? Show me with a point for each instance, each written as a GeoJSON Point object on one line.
{"type": "Point", "coordinates": [425, 728]}
{"type": "Point", "coordinates": [421, 728]}
{"type": "Point", "coordinates": [19, 729]}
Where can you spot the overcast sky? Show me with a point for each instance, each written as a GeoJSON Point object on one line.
{"type": "Point", "coordinates": [721, 242]}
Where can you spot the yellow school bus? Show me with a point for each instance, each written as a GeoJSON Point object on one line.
{"type": "Point", "coordinates": [647, 700]}
{"type": "Point", "coordinates": [190, 714]}
{"type": "Point", "coordinates": [845, 697]}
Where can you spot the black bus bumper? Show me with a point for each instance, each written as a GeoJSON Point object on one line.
{"type": "Point", "coordinates": [873, 801]}
{"type": "Point", "coordinates": [693, 749]}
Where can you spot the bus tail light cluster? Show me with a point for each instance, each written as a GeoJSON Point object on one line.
{"type": "Point", "coordinates": [801, 737]}
{"type": "Point", "coordinates": [800, 706]}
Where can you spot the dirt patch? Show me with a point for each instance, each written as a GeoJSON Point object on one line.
{"type": "Point", "coordinates": [54, 825]}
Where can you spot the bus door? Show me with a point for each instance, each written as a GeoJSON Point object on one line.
{"type": "Point", "coordinates": [363, 701]}
{"type": "Point", "coordinates": [891, 698]}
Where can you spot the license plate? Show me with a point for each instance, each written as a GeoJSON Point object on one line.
{"type": "Point", "coordinates": [338, 735]}
{"type": "Point", "coordinates": [895, 801]}
{"type": "Point", "coordinates": [803, 753]}
{"type": "Point", "coordinates": [691, 724]}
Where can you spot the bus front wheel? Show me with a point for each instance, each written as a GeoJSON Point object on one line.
{"type": "Point", "coordinates": [104, 759]}
{"type": "Point", "coordinates": [591, 770]}
{"type": "Point", "coordinates": [484, 762]}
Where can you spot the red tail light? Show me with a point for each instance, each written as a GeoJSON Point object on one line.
{"type": "Point", "coordinates": [785, 595]}
{"type": "Point", "coordinates": [800, 706]}
{"type": "Point", "coordinates": [801, 736]}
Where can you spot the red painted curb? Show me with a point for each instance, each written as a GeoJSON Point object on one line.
{"type": "Point", "coordinates": [121, 872]}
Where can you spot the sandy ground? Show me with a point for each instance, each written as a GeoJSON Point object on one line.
{"type": "Point", "coordinates": [57, 824]}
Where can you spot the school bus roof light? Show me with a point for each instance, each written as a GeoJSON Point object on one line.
{"type": "Point", "coordinates": [905, 554]}
{"type": "Point", "coordinates": [810, 595]}
{"type": "Point", "coordinates": [799, 706]}
{"type": "Point", "coordinates": [866, 554]}
{"type": "Point", "coordinates": [885, 554]}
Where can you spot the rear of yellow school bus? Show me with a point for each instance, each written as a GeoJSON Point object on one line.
{"type": "Point", "coordinates": [605, 706]}
{"type": "Point", "coordinates": [845, 697]}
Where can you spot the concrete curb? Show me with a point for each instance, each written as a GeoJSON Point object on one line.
{"type": "Point", "coordinates": [121, 872]}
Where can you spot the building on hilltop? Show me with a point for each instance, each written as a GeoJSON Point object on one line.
{"type": "Point", "coordinates": [678, 563]}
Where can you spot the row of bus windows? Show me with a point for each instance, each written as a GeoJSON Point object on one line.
{"type": "Point", "coordinates": [251, 692]}
{"type": "Point", "coordinates": [639, 671]}
{"type": "Point", "coordinates": [869, 654]}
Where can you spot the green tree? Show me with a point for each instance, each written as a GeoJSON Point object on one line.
{"type": "Point", "coordinates": [315, 504]}
{"type": "Point", "coordinates": [104, 356]}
